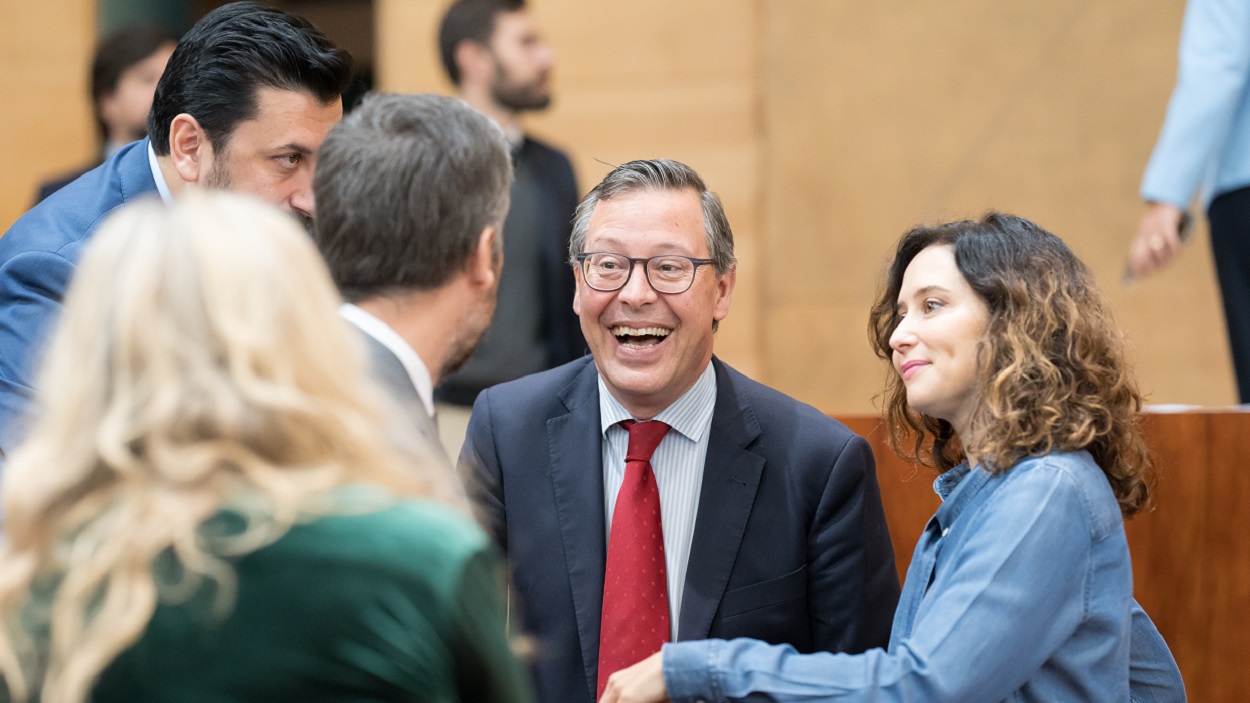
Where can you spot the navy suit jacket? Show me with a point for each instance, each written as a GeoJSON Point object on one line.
{"type": "Point", "coordinates": [790, 542]}
{"type": "Point", "coordinates": [37, 258]}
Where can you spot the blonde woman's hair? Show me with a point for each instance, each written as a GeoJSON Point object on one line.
{"type": "Point", "coordinates": [199, 366]}
{"type": "Point", "coordinates": [1054, 375]}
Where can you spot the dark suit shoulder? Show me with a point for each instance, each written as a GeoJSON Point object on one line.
{"type": "Point", "coordinates": [777, 412]}
{"type": "Point", "coordinates": [535, 395]}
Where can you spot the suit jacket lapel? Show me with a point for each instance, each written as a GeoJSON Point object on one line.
{"type": "Point", "coordinates": [575, 446]}
{"type": "Point", "coordinates": [731, 476]}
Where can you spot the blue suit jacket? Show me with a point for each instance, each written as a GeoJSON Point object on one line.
{"type": "Point", "coordinates": [37, 258]}
{"type": "Point", "coordinates": [790, 542]}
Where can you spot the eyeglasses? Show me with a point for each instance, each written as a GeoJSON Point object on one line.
{"type": "Point", "coordinates": [668, 273]}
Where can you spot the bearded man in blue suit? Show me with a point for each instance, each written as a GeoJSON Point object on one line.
{"type": "Point", "coordinates": [243, 104]}
{"type": "Point", "coordinates": [771, 518]}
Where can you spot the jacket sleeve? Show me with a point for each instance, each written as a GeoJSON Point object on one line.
{"type": "Point", "coordinates": [1027, 555]}
{"type": "Point", "coordinates": [1213, 72]}
{"type": "Point", "coordinates": [480, 471]}
{"type": "Point", "coordinates": [31, 287]}
{"type": "Point", "coordinates": [853, 586]}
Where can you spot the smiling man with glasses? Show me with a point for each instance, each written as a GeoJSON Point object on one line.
{"type": "Point", "coordinates": [650, 492]}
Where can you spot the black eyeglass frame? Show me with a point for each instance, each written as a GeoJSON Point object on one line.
{"type": "Point", "coordinates": [646, 271]}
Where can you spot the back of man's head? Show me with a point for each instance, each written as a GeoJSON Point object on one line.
{"type": "Point", "coordinates": [473, 20]}
{"type": "Point", "coordinates": [218, 66]}
{"type": "Point", "coordinates": [117, 52]}
{"type": "Point", "coordinates": [405, 186]}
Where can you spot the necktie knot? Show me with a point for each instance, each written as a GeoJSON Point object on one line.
{"type": "Point", "coordinates": [644, 437]}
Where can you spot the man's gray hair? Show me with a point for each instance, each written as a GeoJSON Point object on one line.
{"type": "Point", "coordinates": [658, 175]}
{"type": "Point", "coordinates": [405, 184]}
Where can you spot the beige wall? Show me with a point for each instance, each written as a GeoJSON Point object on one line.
{"type": "Point", "coordinates": [828, 127]}
{"type": "Point", "coordinates": [45, 123]}
{"type": "Point", "coordinates": [877, 119]}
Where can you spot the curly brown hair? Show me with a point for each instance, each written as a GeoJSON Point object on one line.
{"type": "Point", "coordinates": [1053, 374]}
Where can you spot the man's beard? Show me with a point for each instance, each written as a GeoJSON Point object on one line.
{"type": "Point", "coordinates": [519, 97]}
{"type": "Point", "coordinates": [218, 178]}
{"type": "Point", "coordinates": [470, 334]}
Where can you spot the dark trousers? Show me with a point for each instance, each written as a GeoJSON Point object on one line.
{"type": "Point", "coordinates": [1230, 243]}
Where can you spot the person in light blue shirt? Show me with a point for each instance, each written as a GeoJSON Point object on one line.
{"type": "Point", "coordinates": [1011, 380]}
{"type": "Point", "coordinates": [1204, 147]}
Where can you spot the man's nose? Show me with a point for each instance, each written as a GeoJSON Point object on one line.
{"type": "Point", "coordinates": [637, 290]}
{"type": "Point", "coordinates": [301, 199]}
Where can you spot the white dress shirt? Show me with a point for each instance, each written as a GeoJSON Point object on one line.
{"type": "Point", "coordinates": [161, 186]}
{"type": "Point", "coordinates": [678, 467]}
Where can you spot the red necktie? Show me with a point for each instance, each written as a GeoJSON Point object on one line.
{"type": "Point", "coordinates": [635, 585]}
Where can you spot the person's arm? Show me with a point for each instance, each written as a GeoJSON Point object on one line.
{"type": "Point", "coordinates": [31, 288]}
{"type": "Point", "coordinates": [479, 469]}
{"type": "Point", "coordinates": [1006, 600]}
{"type": "Point", "coordinates": [487, 668]}
{"type": "Point", "coordinates": [1154, 676]}
{"type": "Point", "coordinates": [1212, 75]}
{"type": "Point", "coordinates": [853, 583]}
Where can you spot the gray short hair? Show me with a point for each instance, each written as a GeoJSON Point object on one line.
{"type": "Point", "coordinates": [405, 184]}
{"type": "Point", "coordinates": [658, 174]}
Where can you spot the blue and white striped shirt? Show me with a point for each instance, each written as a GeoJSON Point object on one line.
{"type": "Point", "coordinates": [678, 467]}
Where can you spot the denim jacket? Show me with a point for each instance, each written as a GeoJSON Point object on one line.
{"type": "Point", "coordinates": [1020, 589]}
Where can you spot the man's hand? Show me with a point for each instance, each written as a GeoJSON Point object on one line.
{"type": "Point", "coordinates": [641, 683]}
{"type": "Point", "coordinates": [1158, 239]}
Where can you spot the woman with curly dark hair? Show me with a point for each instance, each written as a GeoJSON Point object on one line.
{"type": "Point", "coordinates": [1009, 378]}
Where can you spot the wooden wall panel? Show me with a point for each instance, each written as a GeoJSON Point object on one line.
{"type": "Point", "coordinates": [636, 80]}
{"type": "Point", "coordinates": [46, 126]}
{"type": "Point", "coordinates": [881, 116]}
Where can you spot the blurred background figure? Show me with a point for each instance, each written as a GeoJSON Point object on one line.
{"type": "Point", "coordinates": [1205, 145]}
{"type": "Point", "coordinates": [124, 72]}
{"type": "Point", "coordinates": [207, 507]}
{"type": "Point", "coordinates": [500, 64]}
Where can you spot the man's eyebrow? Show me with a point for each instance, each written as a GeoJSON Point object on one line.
{"type": "Point", "coordinates": [298, 148]}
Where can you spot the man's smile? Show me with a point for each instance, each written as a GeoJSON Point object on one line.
{"type": "Point", "coordinates": [640, 337]}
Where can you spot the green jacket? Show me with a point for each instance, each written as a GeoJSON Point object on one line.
{"type": "Point", "coordinates": [405, 604]}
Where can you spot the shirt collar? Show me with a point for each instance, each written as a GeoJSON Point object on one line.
{"type": "Point", "coordinates": [957, 487]}
{"type": "Point", "coordinates": [161, 186]}
{"type": "Point", "coordinates": [690, 414]}
{"type": "Point", "coordinates": [389, 338]}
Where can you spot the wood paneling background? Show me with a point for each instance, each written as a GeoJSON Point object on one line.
{"type": "Point", "coordinates": [1191, 554]}
{"type": "Point", "coordinates": [46, 127]}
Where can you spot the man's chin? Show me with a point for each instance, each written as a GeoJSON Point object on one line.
{"type": "Point", "coordinates": [523, 100]}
